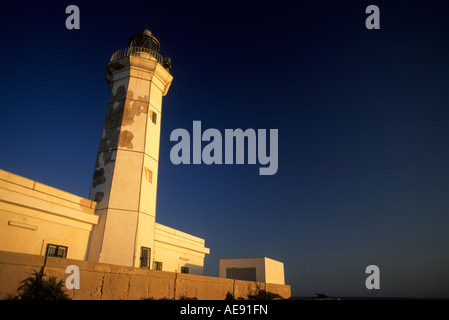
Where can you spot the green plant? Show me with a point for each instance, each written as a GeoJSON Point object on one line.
{"type": "Point", "coordinates": [36, 287]}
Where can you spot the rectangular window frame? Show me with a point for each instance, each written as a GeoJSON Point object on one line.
{"type": "Point", "coordinates": [56, 251]}
{"type": "Point", "coordinates": [157, 265]}
{"type": "Point", "coordinates": [185, 270]}
{"type": "Point", "coordinates": [154, 117]}
{"type": "Point", "coordinates": [145, 257]}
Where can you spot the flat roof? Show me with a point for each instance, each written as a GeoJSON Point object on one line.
{"type": "Point", "coordinates": [250, 258]}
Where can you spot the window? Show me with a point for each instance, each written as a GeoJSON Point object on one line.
{"type": "Point", "coordinates": [248, 274]}
{"type": "Point", "coordinates": [184, 270]}
{"type": "Point", "coordinates": [54, 250]}
{"type": "Point", "coordinates": [157, 265]}
{"type": "Point", "coordinates": [145, 257]}
{"type": "Point", "coordinates": [153, 117]}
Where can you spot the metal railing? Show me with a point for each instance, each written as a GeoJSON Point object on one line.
{"type": "Point", "coordinates": [137, 52]}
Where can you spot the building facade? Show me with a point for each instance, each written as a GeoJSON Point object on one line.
{"type": "Point", "coordinates": [260, 269]}
{"type": "Point", "coordinates": [117, 224]}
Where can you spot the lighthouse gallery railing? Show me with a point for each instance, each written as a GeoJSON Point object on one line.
{"type": "Point", "coordinates": [137, 52]}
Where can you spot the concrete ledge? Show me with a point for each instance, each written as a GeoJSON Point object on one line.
{"type": "Point", "coordinates": [28, 194]}
{"type": "Point", "coordinates": [46, 190]}
{"type": "Point", "coordinates": [99, 281]}
{"type": "Point", "coordinates": [202, 287]}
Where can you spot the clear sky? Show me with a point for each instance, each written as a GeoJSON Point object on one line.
{"type": "Point", "coordinates": [362, 117]}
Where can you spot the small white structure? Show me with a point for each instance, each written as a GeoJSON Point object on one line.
{"type": "Point", "coordinates": [260, 269]}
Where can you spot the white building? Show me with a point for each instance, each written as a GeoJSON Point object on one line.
{"type": "Point", "coordinates": [117, 224]}
{"type": "Point", "coordinates": [261, 269]}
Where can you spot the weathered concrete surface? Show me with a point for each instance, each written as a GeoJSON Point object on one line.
{"type": "Point", "coordinates": [99, 281]}
{"type": "Point", "coordinates": [202, 287]}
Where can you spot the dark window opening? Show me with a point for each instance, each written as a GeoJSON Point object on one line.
{"type": "Point", "coordinates": [248, 274]}
{"type": "Point", "coordinates": [157, 265]}
{"type": "Point", "coordinates": [154, 117]}
{"type": "Point", "coordinates": [184, 270]}
{"type": "Point", "coordinates": [145, 257]}
{"type": "Point", "coordinates": [57, 251]}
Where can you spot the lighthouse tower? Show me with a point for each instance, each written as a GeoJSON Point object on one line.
{"type": "Point", "coordinates": [125, 177]}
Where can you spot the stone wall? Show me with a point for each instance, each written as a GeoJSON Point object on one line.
{"type": "Point", "coordinates": [99, 281]}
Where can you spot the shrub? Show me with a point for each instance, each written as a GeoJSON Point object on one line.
{"type": "Point", "coordinates": [36, 287]}
{"type": "Point", "coordinates": [229, 296]}
{"type": "Point", "coordinates": [264, 295]}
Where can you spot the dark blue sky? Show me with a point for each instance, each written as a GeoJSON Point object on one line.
{"type": "Point", "coordinates": [362, 117]}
